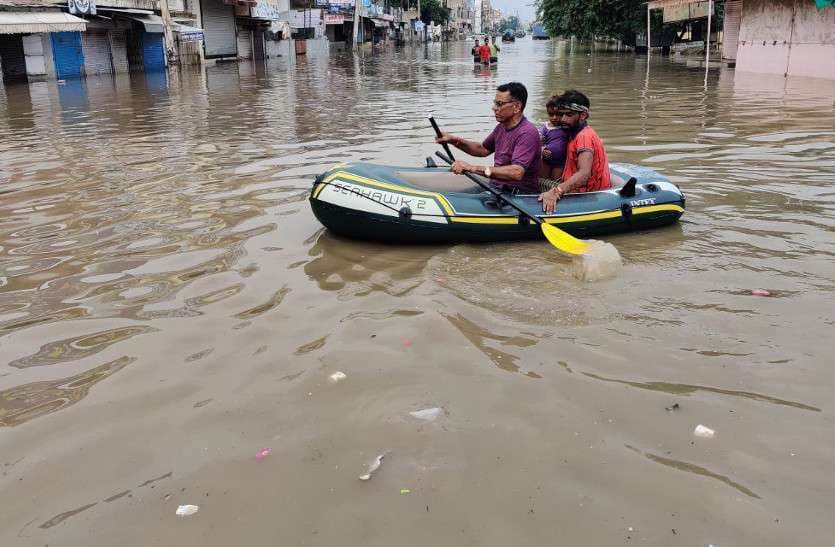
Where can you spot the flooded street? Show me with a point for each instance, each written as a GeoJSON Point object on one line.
{"type": "Point", "coordinates": [170, 307]}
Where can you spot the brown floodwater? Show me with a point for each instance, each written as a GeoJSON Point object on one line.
{"type": "Point", "coordinates": [169, 307]}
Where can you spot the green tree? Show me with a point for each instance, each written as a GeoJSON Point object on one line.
{"type": "Point", "coordinates": [586, 19]}
{"type": "Point", "coordinates": [432, 10]}
{"type": "Point", "coordinates": [618, 19]}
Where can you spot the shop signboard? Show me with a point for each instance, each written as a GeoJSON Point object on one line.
{"type": "Point", "coordinates": [308, 18]}
{"type": "Point", "coordinates": [82, 7]}
{"type": "Point", "coordinates": [332, 19]}
{"type": "Point", "coordinates": [685, 12]}
{"type": "Point", "coordinates": [268, 10]}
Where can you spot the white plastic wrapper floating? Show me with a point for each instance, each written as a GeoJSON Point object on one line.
{"type": "Point", "coordinates": [337, 377]}
{"type": "Point", "coordinates": [375, 465]}
{"type": "Point", "coordinates": [187, 510]}
{"type": "Point", "coordinates": [704, 432]}
{"type": "Point", "coordinates": [427, 414]}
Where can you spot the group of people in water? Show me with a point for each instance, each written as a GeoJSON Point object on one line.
{"type": "Point", "coordinates": [486, 53]}
{"type": "Point", "coordinates": [564, 155]}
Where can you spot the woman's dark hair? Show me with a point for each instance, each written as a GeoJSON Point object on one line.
{"type": "Point", "coordinates": [517, 91]}
{"type": "Point", "coordinates": [573, 96]}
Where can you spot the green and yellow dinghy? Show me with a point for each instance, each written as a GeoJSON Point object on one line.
{"type": "Point", "coordinates": [433, 205]}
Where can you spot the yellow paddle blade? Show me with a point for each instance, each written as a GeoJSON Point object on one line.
{"type": "Point", "coordinates": [563, 241]}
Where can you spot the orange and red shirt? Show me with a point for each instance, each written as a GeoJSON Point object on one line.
{"type": "Point", "coordinates": [484, 53]}
{"type": "Point", "coordinates": [587, 140]}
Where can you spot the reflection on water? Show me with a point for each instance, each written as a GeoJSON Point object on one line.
{"type": "Point", "coordinates": [165, 218]}
{"type": "Point", "coordinates": [28, 401]}
{"type": "Point", "coordinates": [695, 469]}
{"type": "Point", "coordinates": [359, 269]}
{"type": "Point", "coordinates": [78, 348]}
{"type": "Point", "coordinates": [476, 335]}
{"type": "Point", "coordinates": [684, 389]}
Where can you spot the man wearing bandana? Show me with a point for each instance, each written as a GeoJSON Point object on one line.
{"type": "Point", "coordinates": [586, 165]}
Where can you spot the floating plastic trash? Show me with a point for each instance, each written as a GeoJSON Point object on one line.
{"type": "Point", "coordinates": [263, 453]}
{"type": "Point", "coordinates": [337, 377]}
{"type": "Point", "coordinates": [427, 414]}
{"type": "Point", "coordinates": [760, 292]}
{"type": "Point", "coordinates": [704, 432]}
{"type": "Point", "coordinates": [187, 510]}
{"type": "Point", "coordinates": [375, 465]}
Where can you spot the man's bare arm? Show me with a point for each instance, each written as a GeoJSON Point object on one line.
{"type": "Point", "coordinates": [472, 148]}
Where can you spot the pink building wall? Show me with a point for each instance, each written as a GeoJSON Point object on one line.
{"type": "Point", "coordinates": [787, 37]}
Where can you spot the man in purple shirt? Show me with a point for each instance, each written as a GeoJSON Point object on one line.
{"type": "Point", "coordinates": [515, 143]}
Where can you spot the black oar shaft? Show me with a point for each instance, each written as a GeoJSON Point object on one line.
{"type": "Point", "coordinates": [439, 134]}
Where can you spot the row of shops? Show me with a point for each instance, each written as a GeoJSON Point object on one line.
{"type": "Point", "coordinates": [41, 39]}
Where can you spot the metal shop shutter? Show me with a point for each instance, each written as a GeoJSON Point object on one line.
{"type": "Point", "coordinates": [68, 55]}
{"type": "Point", "coordinates": [96, 45]}
{"type": "Point", "coordinates": [219, 29]}
{"type": "Point", "coordinates": [244, 44]}
{"type": "Point", "coordinates": [119, 42]}
{"type": "Point", "coordinates": [153, 51]}
{"type": "Point", "coordinates": [12, 58]}
{"type": "Point", "coordinates": [733, 20]}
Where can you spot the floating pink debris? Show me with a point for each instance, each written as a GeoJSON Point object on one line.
{"type": "Point", "coordinates": [760, 292]}
{"type": "Point", "coordinates": [407, 343]}
{"type": "Point", "coordinates": [263, 454]}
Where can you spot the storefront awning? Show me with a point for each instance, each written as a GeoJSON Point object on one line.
{"type": "Point", "coordinates": [380, 23]}
{"type": "Point", "coordinates": [188, 34]}
{"type": "Point", "coordinates": [24, 22]}
{"type": "Point", "coordinates": [150, 21]}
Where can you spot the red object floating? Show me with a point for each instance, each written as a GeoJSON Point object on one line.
{"type": "Point", "coordinates": [760, 292]}
{"type": "Point", "coordinates": [407, 343]}
{"type": "Point", "coordinates": [263, 453]}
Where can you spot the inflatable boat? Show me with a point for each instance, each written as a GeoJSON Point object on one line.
{"type": "Point", "coordinates": [433, 205]}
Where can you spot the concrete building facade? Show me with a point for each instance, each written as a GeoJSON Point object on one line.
{"type": "Point", "coordinates": [786, 37]}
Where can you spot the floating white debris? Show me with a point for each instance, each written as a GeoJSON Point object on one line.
{"type": "Point", "coordinates": [704, 432]}
{"type": "Point", "coordinates": [337, 377]}
{"type": "Point", "coordinates": [427, 414]}
{"type": "Point", "coordinates": [187, 510]}
{"type": "Point", "coordinates": [375, 465]}
{"type": "Point", "coordinates": [601, 261]}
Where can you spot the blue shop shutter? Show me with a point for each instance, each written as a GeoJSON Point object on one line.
{"type": "Point", "coordinates": [69, 58]}
{"type": "Point", "coordinates": [153, 51]}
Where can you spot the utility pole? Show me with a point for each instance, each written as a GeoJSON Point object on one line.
{"type": "Point", "coordinates": [357, 22]}
{"type": "Point", "coordinates": [166, 26]}
{"type": "Point", "coordinates": [419, 19]}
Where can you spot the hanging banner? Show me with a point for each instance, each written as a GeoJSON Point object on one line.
{"type": "Point", "coordinates": [270, 11]}
{"type": "Point", "coordinates": [82, 7]}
